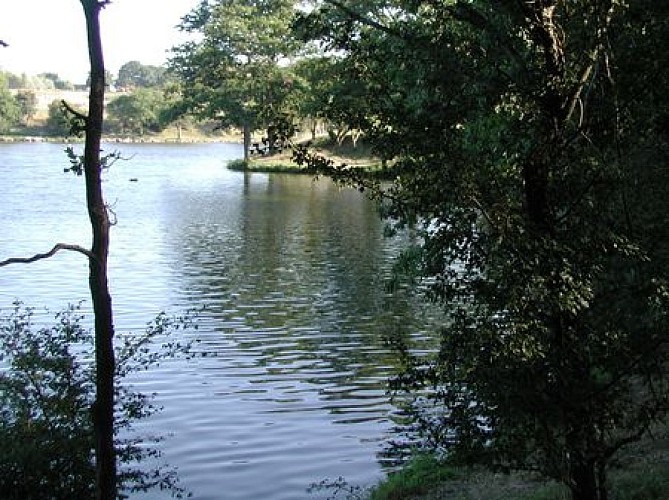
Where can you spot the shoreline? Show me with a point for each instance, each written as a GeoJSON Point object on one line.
{"type": "Point", "coordinates": [8, 139]}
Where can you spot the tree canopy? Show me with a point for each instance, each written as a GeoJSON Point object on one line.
{"type": "Point", "coordinates": [234, 74]}
{"type": "Point", "coordinates": [530, 155]}
{"type": "Point", "coordinates": [137, 112]}
{"type": "Point", "coordinates": [134, 74]}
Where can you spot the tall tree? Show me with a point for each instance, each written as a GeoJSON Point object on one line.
{"type": "Point", "coordinates": [234, 74]}
{"type": "Point", "coordinates": [103, 409]}
{"type": "Point", "coordinates": [528, 146]}
{"type": "Point", "coordinates": [90, 166]}
{"type": "Point", "coordinates": [330, 93]}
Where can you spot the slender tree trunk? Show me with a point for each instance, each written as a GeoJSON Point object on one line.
{"type": "Point", "coordinates": [247, 140]}
{"type": "Point", "coordinates": [536, 171]}
{"type": "Point", "coordinates": [103, 410]}
{"type": "Point", "coordinates": [601, 481]}
{"type": "Point", "coordinates": [535, 176]}
{"type": "Point", "coordinates": [271, 139]}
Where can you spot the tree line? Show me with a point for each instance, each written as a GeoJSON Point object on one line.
{"type": "Point", "coordinates": [140, 102]}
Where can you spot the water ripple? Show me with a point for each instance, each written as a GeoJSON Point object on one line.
{"type": "Point", "coordinates": [289, 381]}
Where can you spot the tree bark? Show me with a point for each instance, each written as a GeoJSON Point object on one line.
{"type": "Point", "coordinates": [536, 177]}
{"type": "Point", "coordinates": [271, 139]}
{"type": "Point", "coordinates": [103, 409]}
{"type": "Point", "coordinates": [537, 167]}
{"type": "Point", "coordinates": [247, 141]}
{"type": "Point", "coordinates": [584, 478]}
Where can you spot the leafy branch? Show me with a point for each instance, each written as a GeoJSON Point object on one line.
{"type": "Point", "coordinates": [77, 161]}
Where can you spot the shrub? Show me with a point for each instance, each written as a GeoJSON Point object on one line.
{"type": "Point", "coordinates": [46, 394]}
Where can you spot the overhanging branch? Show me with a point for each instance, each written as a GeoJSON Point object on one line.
{"type": "Point", "coordinates": [352, 14]}
{"type": "Point", "coordinates": [40, 256]}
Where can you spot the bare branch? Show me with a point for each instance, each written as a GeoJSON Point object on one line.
{"type": "Point", "coordinates": [50, 253]}
{"type": "Point", "coordinates": [78, 114]}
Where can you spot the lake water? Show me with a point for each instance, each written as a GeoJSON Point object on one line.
{"type": "Point", "coordinates": [292, 389]}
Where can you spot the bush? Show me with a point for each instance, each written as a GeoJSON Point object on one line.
{"type": "Point", "coordinates": [46, 394]}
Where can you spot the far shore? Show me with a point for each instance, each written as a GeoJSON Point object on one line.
{"type": "Point", "coordinates": [120, 140]}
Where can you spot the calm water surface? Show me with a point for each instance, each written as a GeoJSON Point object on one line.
{"type": "Point", "coordinates": [290, 388]}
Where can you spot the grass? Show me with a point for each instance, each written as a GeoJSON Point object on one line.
{"type": "Point", "coordinates": [427, 479]}
{"type": "Point", "coordinates": [417, 478]}
{"type": "Point", "coordinates": [271, 165]}
{"type": "Point", "coordinates": [641, 473]}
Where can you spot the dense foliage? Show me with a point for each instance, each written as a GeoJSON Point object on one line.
{"type": "Point", "coordinates": [145, 102]}
{"type": "Point", "coordinates": [236, 73]}
{"type": "Point", "coordinates": [45, 400]}
{"type": "Point", "coordinates": [530, 148]}
{"type": "Point", "coordinates": [10, 111]}
{"type": "Point", "coordinates": [43, 81]}
{"type": "Point", "coordinates": [137, 112]}
{"type": "Point", "coordinates": [134, 74]}
{"type": "Point", "coordinates": [27, 101]}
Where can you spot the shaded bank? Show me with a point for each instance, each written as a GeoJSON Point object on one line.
{"type": "Point", "coordinates": [641, 472]}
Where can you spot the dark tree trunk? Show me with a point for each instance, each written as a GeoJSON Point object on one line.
{"type": "Point", "coordinates": [535, 177]}
{"type": "Point", "coordinates": [584, 479]}
{"type": "Point", "coordinates": [536, 170]}
{"type": "Point", "coordinates": [103, 410]}
{"type": "Point", "coordinates": [271, 139]}
{"type": "Point", "coordinates": [247, 141]}
{"type": "Point", "coordinates": [601, 481]}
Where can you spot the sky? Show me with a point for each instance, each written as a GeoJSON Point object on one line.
{"type": "Point", "coordinates": [50, 35]}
